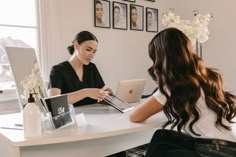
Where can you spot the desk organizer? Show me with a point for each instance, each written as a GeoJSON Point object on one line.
{"type": "Point", "coordinates": [51, 123]}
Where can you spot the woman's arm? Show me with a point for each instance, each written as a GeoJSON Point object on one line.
{"type": "Point", "coordinates": [145, 110]}
{"type": "Point", "coordinates": [94, 93]}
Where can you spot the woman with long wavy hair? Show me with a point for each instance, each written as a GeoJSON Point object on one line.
{"type": "Point", "coordinates": [193, 99]}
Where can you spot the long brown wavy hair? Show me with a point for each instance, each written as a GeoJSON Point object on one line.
{"type": "Point", "coordinates": [181, 75]}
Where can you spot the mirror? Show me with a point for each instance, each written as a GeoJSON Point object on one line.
{"type": "Point", "coordinates": [26, 72]}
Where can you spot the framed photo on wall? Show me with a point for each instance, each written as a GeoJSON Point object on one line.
{"type": "Point", "coordinates": [136, 17]}
{"type": "Point", "coordinates": [151, 20]}
{"type": "Point", "coordinates": [130, 0]}
{"type": "Point", "coordinates": [120, 20]}
{"type": "Point", "coordinates": [102, 13]}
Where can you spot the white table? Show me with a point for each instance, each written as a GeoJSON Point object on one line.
{"type": "Point", "coordinates": [108, 132]}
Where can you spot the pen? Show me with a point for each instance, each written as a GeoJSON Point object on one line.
{"type": "Point", "coordinates": [11, 128]}
{"type": "Point", "coordinates": [18, 124]}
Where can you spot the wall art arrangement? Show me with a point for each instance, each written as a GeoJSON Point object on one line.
{"type": "Point", "coordinates": [124, 14]}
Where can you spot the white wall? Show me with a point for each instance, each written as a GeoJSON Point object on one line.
{"type": "Point", "coordinates": [122, 54]}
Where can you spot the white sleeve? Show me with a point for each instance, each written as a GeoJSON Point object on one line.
{"type": "Point", "coordinates": [160, 97]}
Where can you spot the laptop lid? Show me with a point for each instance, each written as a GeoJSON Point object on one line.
{"type": "Point", "coordinates": [130, 90]}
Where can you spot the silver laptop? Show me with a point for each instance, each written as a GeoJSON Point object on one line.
{"type": "Point", "coordinates": [130, 90]}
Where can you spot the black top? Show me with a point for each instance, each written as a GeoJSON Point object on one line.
{"type": "Point", "coordinates": [64, 77]}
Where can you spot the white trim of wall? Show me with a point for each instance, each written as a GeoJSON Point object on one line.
{"type": "Point", "coordinates": [50, 39]}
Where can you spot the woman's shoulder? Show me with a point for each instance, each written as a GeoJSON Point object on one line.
{"type": "Point", "coordinates": [60, 66]}
{"type": "Point", "coordinates": [91, 68]}
{"type": "Point", "coordinates": [91, 65]}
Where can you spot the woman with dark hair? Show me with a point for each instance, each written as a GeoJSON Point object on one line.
{"type": "Point", "coordinates": [78, 77]}
{"type": "Point", "coordinates": [193, 99]}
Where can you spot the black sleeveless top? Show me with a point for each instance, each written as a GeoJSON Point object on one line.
{"type": "Point", "coordinates": [64, 77]}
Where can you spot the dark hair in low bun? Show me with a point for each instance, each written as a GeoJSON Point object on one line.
{"type": "Point", "coordinates": [80, 38]}
{"type": "Point", "coordinates": [71, 49]}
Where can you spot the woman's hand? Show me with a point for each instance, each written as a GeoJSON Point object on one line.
{"type": "Point", "coordinates": [109, 90]}
{"type": "Point", "coordinates": [96, 93]}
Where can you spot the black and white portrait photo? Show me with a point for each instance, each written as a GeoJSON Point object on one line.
{"type": "Point", "coordinates": [151, 20]}
{"type": "Point", "coordinates": [130, 0]}
{"type": "Point", "coordinates": [136, 17]}
{"type": "Point", "coordinates": [102, 13]}
{"type": "Point", "coordinates": [119, 15]}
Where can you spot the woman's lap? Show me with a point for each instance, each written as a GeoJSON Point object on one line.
{"type": "Point", "coordinates": [168, 143]}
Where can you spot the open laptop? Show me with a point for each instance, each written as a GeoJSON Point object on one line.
{"type": "Point", "coordinates": [130, 90]}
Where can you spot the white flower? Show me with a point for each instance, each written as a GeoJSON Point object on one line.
{"type": "Point", "coordinates": [33, 83]}
{"type": "Point", "coordinates": [196, 30]}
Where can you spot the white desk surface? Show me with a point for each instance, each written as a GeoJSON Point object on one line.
{"type": "Point", "coordinates": [104, 122]}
